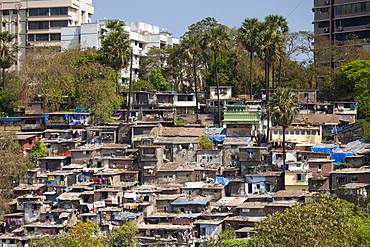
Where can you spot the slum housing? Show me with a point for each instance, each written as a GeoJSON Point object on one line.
{"type": "Point", "coordinates": [150, 169]}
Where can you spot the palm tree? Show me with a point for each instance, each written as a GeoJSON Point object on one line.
{"type": "Point", "coordinates": [280, 24]}
{"type": "Point", "coordinates": [272, 45]}
{"type": "Point", "coordinates": [8, 52]}
{"type": "Point", "coordinates": [217, 38]}
{"type": "Point", "coordinates": [249, 37]}
{"type": "Point", "coordinates": [191, 51]}
{"type": "Point", "coordinates": [116, 48]}
{"type": "Point", "coordinates": [284, 110]}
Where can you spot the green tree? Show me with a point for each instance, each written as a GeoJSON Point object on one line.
{"type": "Point", "coordinates": [115, 45]}
{"type": "Point", "coordinates": [140, 84]}
{"type": "Point", "coordinates": [366, 126]}
{"type": "Point", "coordinates": [217, 38]}
{"type": "Point", "coordinates": [226, 239]}
{"type": "Point", "coordinates": [205, 142]}
{"type": "Point", "coordinates": [353, 82]}
{"type": "Point", "coordinates": [192, 54]}
{"type": "Point", "coordinates": [158, 81]}
{"type": "Point", "coordinates": [83, 234]}
{"type": "Point", "coordinates": [284, 110]}
{"type": "Point", "coordinates": [13, 165]}
{"type": "Point", "coordinates": [359, 226]}
{"type": "Point", "coordinates": [272, 41]}
{"type": "Point", "coordinates": [7, 103]}
{"type": "Point", "coordinates": [67, 79]}
{"type": "Point", "coordinates": [123, 236]}
{"type": "Point", "coordinates": [200, 27]}
{"type": "Point", "coordinates": [321, 222]}
{"type": "Point", "coordinates": [39, 150]}
{"type": "Point", "coordinates": [8, 52]}
{"type": "Point", "coordinates": [248, 35]}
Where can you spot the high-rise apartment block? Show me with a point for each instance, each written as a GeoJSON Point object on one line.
{"type": "Point", "coordinates": [342, 20]}
{"type": "Point", "coordinates": [39, 23]}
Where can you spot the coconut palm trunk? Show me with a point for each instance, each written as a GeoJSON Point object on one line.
{"type": "Point", "coordinates": [251, 75]}
{"type": "Point", "coordinates": [196, 90]}
{"type": "Point", "coordinates": [284, 152]}
{"type": "Point", "coordinates": [218, 90]}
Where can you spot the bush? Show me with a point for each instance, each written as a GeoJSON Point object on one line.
{"type": "Point", "coordinates": [205, 142]}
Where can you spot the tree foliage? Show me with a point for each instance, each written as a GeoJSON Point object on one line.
{"type": "Point", "coordinates": [40, 149]}
{"type": "Point", "coordinates": [83, 234]}
{"type": "Point", "coordinates": [8, 52]}
{"type": "Point", "coordinates": [13, 165]}
{"type": "Point", "coordinates": [115, 45]}
{"type": "Point", "coordinates": [64, 79]}
{"type": "Point", "coordinates": [205, 142]}
{"type": "Point", "coordinates": [353, 81]}
{"type": "Point", "coordinates": [7, 105]}
{"type": "Point", "coordinates": [123, 236]}
{"type": "Point", "coordinates": [283, 106]}
{"type": "Point", "coordinates": [86, 234]}
{"type": "Point", "coordinates": [226, 239]}
{"type": "Point", "coordinates": [321, 222]}
{"type": "Point", "coordinates": [158, 81]}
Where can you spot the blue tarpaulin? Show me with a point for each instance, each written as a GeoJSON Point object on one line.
{"type": "Point", "coordinates": [10, 119]}
{"type": "Point", "coordinates": [216, 138]}
{"type": "Point", "coordinates": [216, 134]}
{"type": "Point", "coordinates": [340, 157]}
{"type": "Point", "coordinates": [322, 149]}
{"type": "Point", "coordinates": [222, 180]}
{"type": "Point", "coordinates": [46, 118]}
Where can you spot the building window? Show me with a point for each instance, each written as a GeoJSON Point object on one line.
{"type": "Point", "coordinates": [313, 132]}
{"type": "Point", "coordinates": [352, 8]}
{"type": "Point", "coordinates": [30, 37]}
{"type": "Point", "coordinates": [324, 10]}
{"type": "Point", "coordinates": [280, 132]}
{"type": "Point", "coordinates": [275, 132]}
{"type": "Point", "coordinates": [292, 132]}
{"type": "Point", "coordinates": [354, 179]}
{"type": "Point", "coordinates": [323, 24]}
{"type": "Point", "coordinates": [55, 36]}
{"type": "Point", "coordinates": [42, 37]}
{"type": "Point", "coordinates": [59, 24]}
{"type": "Point", "coordinates": [15, 11]}
{"type": "Point", "coordinates": [301, 176]}
{"type": "Point", "coordinates": [358, 35]}
{"type": "Point", "coordinates": [319, 168]}
{"type": "Point", "coordinates": [59, 11]}
{"type": "Point", "coordinates": [340, 180]}
{"type": "Point", "coordinates": [4, 24]}
{"type": "Point", "coordinates": [308, 132]}
{"type": "Point", "coordinates": [6, 12]}
{"type": "Point", "coordinates": [297, 132]}
{"type": "Point", "coordinates": [38, 12]}
{"type": "Point", "coordinates": [38, 25]}
{"type": "Point", "coordinates": [303, 132]}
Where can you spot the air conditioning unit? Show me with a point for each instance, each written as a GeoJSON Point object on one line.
{"type": "Point", "coordinates": [340, 43]}
{"type": "Point", "coordinates": [327, 2]}
{"type": "Point", "coordinates": [326, 30]}
{"type": "Point", "coordinates": [340, 28]}
{"type": "Point", "coordinates": [368, 25]}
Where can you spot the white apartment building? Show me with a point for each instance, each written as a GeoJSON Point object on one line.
{"type": "Point", "coordinates": [39, 22]}
{"type": "Point", "coordinates": [143, 36]}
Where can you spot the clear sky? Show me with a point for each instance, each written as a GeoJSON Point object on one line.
{"type": "Point", "coordinates": [176, 15]}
